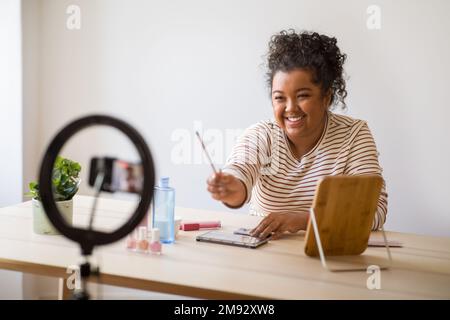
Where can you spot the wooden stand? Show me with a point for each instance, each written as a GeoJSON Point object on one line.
{"type": "Point", "coordinates": [340, 222]}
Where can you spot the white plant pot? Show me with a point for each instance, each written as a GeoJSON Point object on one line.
{"type": "Point", "coordinates": [42, 225]}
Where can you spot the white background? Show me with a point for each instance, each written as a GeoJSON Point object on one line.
{"type": "Point", "coordinates": [10, 124]}
{"type": "Point", "coordinates": [163, 65]}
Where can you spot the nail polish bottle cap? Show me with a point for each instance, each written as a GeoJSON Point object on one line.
{"type": "Point", "coordinates": [142, 233]}
{"type": "Point", "coordinates": [155, 235]}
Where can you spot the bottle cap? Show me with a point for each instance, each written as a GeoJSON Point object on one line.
{"type": "Point", "coordinates": [164, 182]}
{"type": "Point", "coordinates": [155, 235]}
{"type": "Point", "coordinates": [142, 235]}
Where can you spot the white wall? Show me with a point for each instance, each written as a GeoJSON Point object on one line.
{"type": "Point", "coordinates": [10, 125]}
{"type": "Point", "coordinates": [10, 103]}
{"type": "Point", "coordinates": [32, 119]}
{"type": "Point", "coordinates": [164, 65]}
{"type": "Point", "coordinates": [33, 287]}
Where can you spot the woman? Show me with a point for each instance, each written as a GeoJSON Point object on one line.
{"type": "Point", "coordinates": [276, 164]}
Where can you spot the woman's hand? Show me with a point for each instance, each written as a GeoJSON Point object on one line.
{"type": "Point", "coordinates": [227, 188]}
{"type": "Point", "coordinates": [279, 222]}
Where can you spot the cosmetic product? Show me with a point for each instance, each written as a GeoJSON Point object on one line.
{"type": "Point", "coordinates": [177, 225]}
{"type": "Point", "coordinates": [164, 210]}
{"type": "Point", "coordinates": [155, 244]}
{"type": "Point", "coordinates": [142, 243]}
{"type": "Point", "coordinates": [201, 225]}
{"type": "Point", "coordinates": [131, 241]}
{"type": "Point", "coordinates": [206, 152]}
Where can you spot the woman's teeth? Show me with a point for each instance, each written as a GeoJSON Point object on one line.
{"type": "Point", "coordinates": [295, 118]}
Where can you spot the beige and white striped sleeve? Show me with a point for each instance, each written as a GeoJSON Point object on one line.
{"type": "Point", "coordinates": [248, 156]}
{"type": "Point", "coordinates": [363, 159]}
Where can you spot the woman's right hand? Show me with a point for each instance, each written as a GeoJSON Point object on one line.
{"type": "Point", "coordinates": [227, 188]}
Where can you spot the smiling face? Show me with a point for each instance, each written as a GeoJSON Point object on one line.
{"type": "Point", "coordinates": [299, 106]}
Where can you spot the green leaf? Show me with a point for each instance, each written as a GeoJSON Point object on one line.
{"type": "Point", "coordinates": [65, 180]}
{"type": "Point", "coordinates": [33, 186]}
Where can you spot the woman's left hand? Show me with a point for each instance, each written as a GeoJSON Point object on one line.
{"type": "Point", "coordinates": [277, 223]}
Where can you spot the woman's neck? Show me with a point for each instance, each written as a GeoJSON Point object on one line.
{"type": "Point", "coordinates": [302, 145]}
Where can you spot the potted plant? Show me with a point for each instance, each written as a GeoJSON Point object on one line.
{"type": "Point", "coordinates": [65, 180]}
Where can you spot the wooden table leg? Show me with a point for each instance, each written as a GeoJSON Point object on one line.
{"type": "Point", "coordinates": [64, 293]}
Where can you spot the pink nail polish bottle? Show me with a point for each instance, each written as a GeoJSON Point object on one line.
{"type": "Point", "coordinates": [131, 241]}
{"type": "Point", "coordinates": [155, 244]}
{"type": "Point", "coordinates": [142, 243]}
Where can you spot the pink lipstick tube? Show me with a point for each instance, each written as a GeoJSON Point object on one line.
{"type": "Point", "coordinates": [201, 225]}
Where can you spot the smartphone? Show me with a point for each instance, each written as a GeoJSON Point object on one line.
{"type": "Point", "coordinates": [242, 231]}
{"type": "Point", "coordinates": [119, 175]}
{"type": "Point", "coordinates": [245, 232]}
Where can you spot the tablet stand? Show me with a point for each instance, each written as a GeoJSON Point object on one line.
{"type": "Point", "coordinates": [348, 266]}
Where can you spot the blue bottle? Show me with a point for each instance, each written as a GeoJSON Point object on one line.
{"type": "Point", "coordinates": [163, 216]}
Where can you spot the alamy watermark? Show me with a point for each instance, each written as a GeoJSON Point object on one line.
{"type": "Point", "coordinates": [374, 280]}
{"type": "Point", "coordinates": [254, 146]}
{"type": "Point", "coordinates": [73, 21]}
{"type": "Point", "coordinates": [374, 17]}
{"type": "Point", "coordinates": [73, 281]}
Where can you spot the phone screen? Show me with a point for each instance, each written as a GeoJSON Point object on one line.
{"type": "Point", "coordinates": [119, 175]}
{"type": "Point", "coordinates": [242, 231]}
{"type": "Point", "coordinates": [245, 232]}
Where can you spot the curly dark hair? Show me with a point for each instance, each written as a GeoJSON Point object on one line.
{"type": "Point", "coordinates": [318, 53]}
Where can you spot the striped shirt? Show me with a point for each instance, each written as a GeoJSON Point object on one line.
{"type": "Point", "coordinates": [278, 182]}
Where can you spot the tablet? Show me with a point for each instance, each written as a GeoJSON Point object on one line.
{"type": "Point", "coordinates": [231, 239]}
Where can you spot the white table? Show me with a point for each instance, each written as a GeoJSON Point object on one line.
{"type": "Point", "coordinates": [277, 270]}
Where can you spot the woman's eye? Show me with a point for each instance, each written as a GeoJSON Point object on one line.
{"type": "Point", "coordinates": [302, 96]}
{"type": "Point", "coordinates": [278, 98]}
